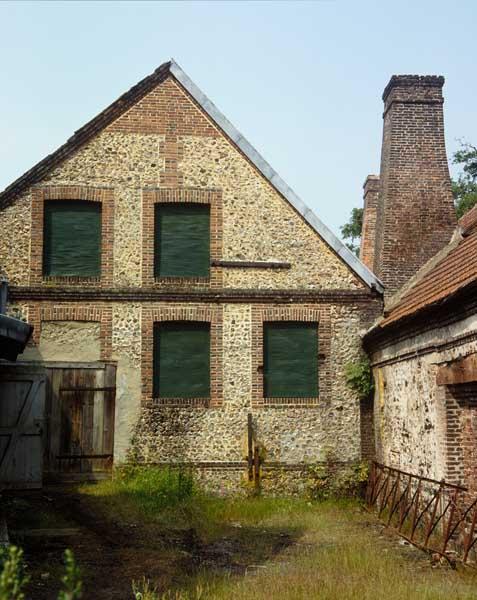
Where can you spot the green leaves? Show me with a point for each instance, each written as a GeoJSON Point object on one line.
{"type": "Point", "coordinates": [12, 574]}
{"type": "Point", "coordinates": [352, 229]}
{"type": "Point", "coordinates": [464, 188]}
{"type": "Point", "coordinates": [13, 578]}
{"type": "Point", "coordinates": [359, 377]}
{"type": "Point", "coordinates": [71, 580]}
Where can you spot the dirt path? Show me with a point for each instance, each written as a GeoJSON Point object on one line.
{"type": "Point", "coordinates": [111, 554]}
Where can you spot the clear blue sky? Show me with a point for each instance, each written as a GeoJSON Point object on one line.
{"type": "Point", "coordinates": [301, 80]}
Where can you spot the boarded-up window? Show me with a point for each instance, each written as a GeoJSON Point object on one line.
{"type": "Point", "coordinates": [182, 360]}
{"type": "Point", "coordinates": [181, 240]}
{"type": "Point", "coordinates": [290, 360]}
{"type": "Point", "coordinates": [72, 238]}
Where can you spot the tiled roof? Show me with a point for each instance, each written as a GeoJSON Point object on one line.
{"type": "Point", "coordinates": [469, 220]}
{"type": "Point", "coordinates": [456, 270]}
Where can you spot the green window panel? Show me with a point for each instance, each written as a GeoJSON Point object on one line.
{"type": "Point", "coordinates": [181, 240]}
{"type": "Point", "coordinates": [290, 360]}
{"type": "Point", "coordinates": [181, 360]}
{"type": "Point", "coordinates": [72, 238]}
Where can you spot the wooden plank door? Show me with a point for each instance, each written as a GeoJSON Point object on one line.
{"type": "Point", "coordinates": [81, 417]}
{"type": "Point", "coordinates": [22, 405]}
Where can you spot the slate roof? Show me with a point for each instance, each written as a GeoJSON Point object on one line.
{"type": "Point", "coordinates": [456, 270]}
{"type": "Point", "coordinates": [137, 92]}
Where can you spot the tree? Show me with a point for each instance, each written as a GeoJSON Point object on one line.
{"type": "Point", "coordinates": [352, 230]}
{"type": "Point", "coordinates": [464, 188]}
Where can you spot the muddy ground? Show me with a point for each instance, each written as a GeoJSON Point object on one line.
{"type": "Point", "coordinates": [112, 554]}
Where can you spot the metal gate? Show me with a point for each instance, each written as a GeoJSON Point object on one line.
{"type": "Point", "coordinates": [80, 404]}
{"type": "Point", "coordinates": [22, 403]}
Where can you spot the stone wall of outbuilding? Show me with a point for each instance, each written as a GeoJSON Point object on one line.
{"type": "Point", "coordinates": [418, 423]}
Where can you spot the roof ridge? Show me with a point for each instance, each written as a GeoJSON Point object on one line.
{"type": "Point", "coordinates": [277, 182]}
{"type": "Point", "coordinates": [86, 132]}
{"type": "Point", "coordinates": [135, 93]}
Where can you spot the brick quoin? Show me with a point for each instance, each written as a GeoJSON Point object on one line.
{"type": "Point", "coordinates": [416, 216]}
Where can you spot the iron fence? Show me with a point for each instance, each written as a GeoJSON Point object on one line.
{"type": "Point", "coordinates": [433, 515]}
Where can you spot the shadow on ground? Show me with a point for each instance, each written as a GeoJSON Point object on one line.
{"type": "Point", "coordinates": [112, 554]}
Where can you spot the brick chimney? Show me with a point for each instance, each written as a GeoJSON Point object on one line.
{"type": "Point", "coordinates": [416, 215]}
{"type": "Point", "coordinates": [368, 233]}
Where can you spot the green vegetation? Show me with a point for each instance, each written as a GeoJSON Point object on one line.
{"type": "Point", "coordinates": [156, 535]}
{"type": "Point", "coordinates": [336, 550]}
{"type": "Point", "coordinates": [13, 579]}
{"type": "Point", "coordinates": [325, 482]}
{"type": "Point", "coordinates": [12, 574]}
{"type": "Point", "coordinates": [464, 190]}
{"type": "Point", "coordinates": [464, 187]}
{"type": "Point", "coordinates": [359, 377]}
{"type": "Point", "coordinates": [352, 230]}
{"type": "Point", "coordinates": [71, 580]}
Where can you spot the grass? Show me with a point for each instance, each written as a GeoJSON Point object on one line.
{"type": "Point", "coordinates": [338, 551]}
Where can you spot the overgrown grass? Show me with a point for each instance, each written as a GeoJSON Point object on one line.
{"type": "Point", "coordinates": [170, 498]}
{"type": "Point", "coordinates": [339, 552]}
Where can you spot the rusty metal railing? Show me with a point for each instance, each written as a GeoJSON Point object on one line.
{"type": "Point", "coordinates": [433, 515]}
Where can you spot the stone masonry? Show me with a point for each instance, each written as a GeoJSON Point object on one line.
{"type": "Point", "coordinates": [165, 146]}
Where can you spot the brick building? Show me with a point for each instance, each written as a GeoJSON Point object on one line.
{"type": "Point", "coordinates": [177, 284]}
{"type": "Point", "coordinates": [423, 349]}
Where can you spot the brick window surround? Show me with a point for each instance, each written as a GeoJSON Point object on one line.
{"type": "Point", "coordinates": [99, 313]}
{"type": "Point", "coordinates": [203, 313]}
{"type": "Point", "coordinates": [72, 192]}
{"type": "Point", "coordinates": [306, 314]}
{"type": "Point", "coordinates": [150, 197]}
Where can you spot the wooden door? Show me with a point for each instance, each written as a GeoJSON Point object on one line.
{"type": "Point", "coordinates": [80, 408]}
{"type": "Point", "coordinates": [22, 404]}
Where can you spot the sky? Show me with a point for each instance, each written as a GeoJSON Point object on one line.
{"type": "Point", "coordinates": [301, 80]}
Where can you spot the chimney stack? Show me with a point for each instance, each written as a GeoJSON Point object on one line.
{"type": "Point", "coordinates": [416, 215]}
{"type": "Point", "coordinates": [368, 233]}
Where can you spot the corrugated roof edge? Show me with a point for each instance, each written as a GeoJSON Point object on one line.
{"type": "Point", "coordinates": [268, 172]}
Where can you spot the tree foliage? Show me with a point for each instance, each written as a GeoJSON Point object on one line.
{"type": "Point", "coordinates": [464, 188]}
{"type": "Point", "coordinates": [351, 231]}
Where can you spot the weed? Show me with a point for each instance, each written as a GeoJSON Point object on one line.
{"type": "Point", "coordinates": [359, 377]}
{"type": "Point", "coordinates": [71, 580]}
{"type": "Point", "coordinates": [12, 574]}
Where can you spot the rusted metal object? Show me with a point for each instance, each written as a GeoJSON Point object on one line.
{"type": "Point", "coordinates": [435, 516]}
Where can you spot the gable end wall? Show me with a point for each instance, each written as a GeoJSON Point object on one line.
{"type": "Point", "coordinates": [165, 145]}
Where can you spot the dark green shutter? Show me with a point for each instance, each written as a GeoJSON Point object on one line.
{"type": "Point", "coordinates": [182, 240]}
{"type": "Point", "coordinates": [72, 238]}
{"type": "Point", "coordinates": [182, 360]}
{"type": "Point", "coordinates": [290, 360]}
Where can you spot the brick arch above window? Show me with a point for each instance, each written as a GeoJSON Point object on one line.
{"type": "Point", "coordinates": [320, 315]}
{"type": "Point", "coordinates": [205, 314]}
{"type": "Point", "coordinates": [212, 198]}
{"type": "Point", "coordinates": [104, 196]}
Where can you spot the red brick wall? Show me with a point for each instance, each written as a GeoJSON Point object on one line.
{"type": "Point", "coordinates": [368, 234]}
{"type": "Point", "coordinates": [462, 435]}
{"type": "Point", "coordinates": [416, 214]}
